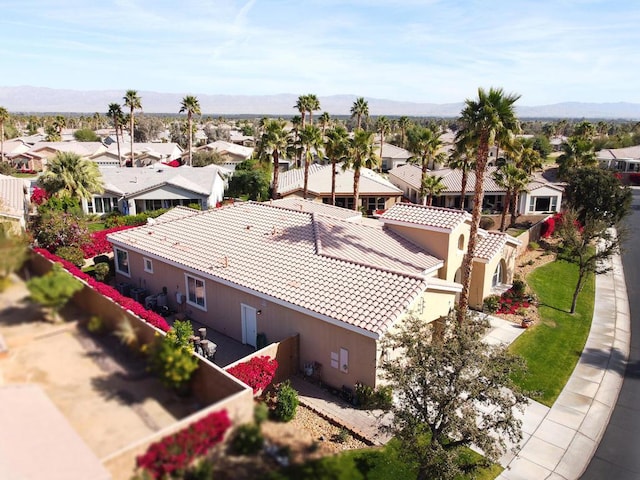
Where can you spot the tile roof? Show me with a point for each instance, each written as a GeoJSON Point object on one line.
{"type": "Point", "coordinates": [371, 183]}
{"type": "Point", "coordinates": [274, 252]}
{"type": "Point", "coordinates": [309, 206]}
{"type": "Point", "coordinates": [434, 217]}
{"type": "Point", "coordinates": [620, 153]}
{"type": "Point", "coordinates": [491, 243]}
{"type": "Point", "coordinates": [228, 147]}
{"type": "Point", "coordinates": [451, 178]}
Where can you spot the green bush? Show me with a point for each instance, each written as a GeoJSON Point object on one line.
{"type": "Point", "coordinates": [172, 359]}
{"type": "Point", "coordinates": [518, 288]}
{"type": "Point", "coordinates": [203, 470]}
{"type": "Point", "coordinates": [116, 219]}
{"type": "Point", "coordinates": [95, 324]}
{"type": "Point", "coordinates": [487, 223]}
{"type": "Point", "coordinates": [53, 290]}
{"type": "Point", "coordinates": [247, 440]}
{"type": "Point", "coordinates": [260, 413]}
{"type": "Point", "coordinates": [194, 206]}
{"type": "Point", "coordinates": [533, 246]}
{"type": "Point", "coordinates": [102, 271]}
{"type": "Point", "coordinates": [73, 254]}
{"type": "Point", "coordinates": [286, 402]}
{"type": "Point", "coordinates": [56, 229]}
{"type": "Point", "coordinates": [369, 398]}
{"type": "Point", "coordinates": [492, 304]}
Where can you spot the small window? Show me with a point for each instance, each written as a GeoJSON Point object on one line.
{"type": "Point", "coordinates": [461, 242]}
{"type": "Point", "coordinates": [122, 262]}
{"type": "Point", "coordinates": [148, 265]}
{"type": "Point", "coordinates": [196, 294]}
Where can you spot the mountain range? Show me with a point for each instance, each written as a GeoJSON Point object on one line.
{"type": "Point", "coordinates": [27, 99]}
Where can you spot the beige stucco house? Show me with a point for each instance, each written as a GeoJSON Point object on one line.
{"type": "Point", "coordinates": [298, 267]}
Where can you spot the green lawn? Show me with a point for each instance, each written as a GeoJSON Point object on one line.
{"type": "Point", "coordinates": [96, 226]}
{"type": "Point", "coordinates": [552, 348]}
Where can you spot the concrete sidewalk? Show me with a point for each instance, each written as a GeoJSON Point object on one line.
{"type": "Point", "coordinates": [558, 442]}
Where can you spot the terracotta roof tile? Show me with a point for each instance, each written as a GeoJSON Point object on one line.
{"type": "Point", "coordinates": [490, 244]}
{"type": "Point", "coordinates": [435, 217]}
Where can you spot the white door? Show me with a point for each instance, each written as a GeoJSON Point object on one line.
{"type": "Point", "coordinates": [249, 325]}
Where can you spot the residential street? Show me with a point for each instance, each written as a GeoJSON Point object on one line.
{"type": "Point", "coordinates": [618, 455]}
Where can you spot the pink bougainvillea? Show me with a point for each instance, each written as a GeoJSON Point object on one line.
{"type": "Point", "coordinates": [99, 243]}
{"type": "Point", "coordinates": [127, 303]}
{"type": "Point", "coordinates": [258, 372]}
{"type": "Point", "coordinates": [174, 453]}
{"type": "Point", "coordinates": [39, 196]}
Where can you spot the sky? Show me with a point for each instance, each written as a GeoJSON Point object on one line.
{"type": "Point", "coordinates": [427, 51]}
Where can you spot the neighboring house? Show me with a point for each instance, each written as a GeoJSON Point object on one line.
{"type": "Point", "coordinates": [620, 159]}
{"type": "Point", "coordinates": [268, 268]}
{"type": "Point", "coordinates": [392, 156]}
{"type": "Point", "coordinates": [376, 193]}
{"type": "Point", "coordinates": [14, 201]}
{"type": "Point", "coordinates": [542, 193]}
{"type": "Point", "coordinates": [253, 268]}
{"type": "Point", "coordinates": [135, 190]}
{"type": "Point", "coordinates": [147, 153]}
{"type": "Point", "coordinates": [37, 156]}
{"type": "Point", "coordinates": [233, 154]}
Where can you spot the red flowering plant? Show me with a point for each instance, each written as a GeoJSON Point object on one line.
{"type": "Point", "coordinates": [258, 372]}
{"type": "Point", "coordinates": [173, 454]}
{"type": "Point", "coordinates": [39, 196]}
{"type": "Point", "coordinates": [514, 299]}
{"type": "Point", "coordinates": [127, 303]}
{"type": "Point", "coordinates": [99, 243]}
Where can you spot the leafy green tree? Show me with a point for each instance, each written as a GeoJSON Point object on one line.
{"type": "Point", "coordinates": [336, 148]}
{"type": "Point", "coordinates": [514, 180]}
{"type": "Point", "coordinates": [4, 118]}
{"type": "Point", "coordinates": [360, 109]}
{"type": "Point", "coordinates": [132, 101]}
{"type": "Point", "coordinates": [13, 252]}
{"type": "Point", "coordinates": [451, 390]}
{"type": "Point", "coordinates": [312, 144]}
{"type": "Point", "coordinates": [70, 174]}
{"type": "Point", "coordinates": [489, 119]}
{"type": "Point", "coordinates": [53, 290]}
{"type": "Point", "coordinates": [204, 158]}
{"type": "Point", "coordinates": [424, 143]}
{"type": "Point", "coordinates": [542, 145]}
{"type": "Point", "coordinates": [148, 128]}
{"type": "Point", "coordinates": [117, 117]}
{"type": "Point", "coordinates": [361, 155]}
{"type": "Point", "coordinates": [52, 134]}
{"type": "Point", "coordinates": [577, 152]}
{"type": "Point", "coordinates": [191, 106]}
{"type": "Point", "coordinates": [250, 179]}
{"type": "Point", "coordinates": [432, 186]}
{"type": "Point", "coordinates": [86, 135]}
{"type": "Point", "coordinates": [588, 245]}
{"type": "Point", "coordinates": [171, 357]}
{"type": "Point", "coordinates": [595, 193]}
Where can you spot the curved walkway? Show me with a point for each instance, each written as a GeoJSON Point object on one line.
{"type": "Point", "coordinates": [559, 441]}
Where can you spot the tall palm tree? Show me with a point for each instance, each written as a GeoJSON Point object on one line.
{"type": "Point", "coordinates": [336, 148]}
{"type": "Point", "coordinates": [59, 123]}
{"type": "Point", "coordinates": [382, 127]}
{"type": "Point", "coordinates": [424, 143]}
{"type": "Point", "coordinates": [404, 124]}
{"type": "Point", "coordinates": [132, 100]}
{"type": "Point", "coordinates": [484, 120]}
{"type": "Point", "coordinates": [432, 186]}
{"type": "Point", "coordinates": [312, 143]}
{"type": "Point", "coordinates": [296, 149]}
{"type": "Point", "coordinates": [514, 180]}
{"type": "Point", "coordinates": [115, 113]}
{"type": "Point", "coordinates": [4, 117]}
{"type": "Point", "coordinates": [313, 104]}
{"type": "Point", "coordinates": [361, 155]}
{"type": "Point", "coordinates": [68, 174]}
{"type": "Point", "coordinates": [302, 105]}
{"type": "Point", "coordinates": [274, 143]}
{"type": "Point", "coordinates": [462, 158]}
{"type": "Point", "coordinates": [576, 152]}
{"type": "Point", "coordinates": [325, 121]}
{"type": "Point", "coordinates": [360, 109]}
{"type": "Point", "coordinates": [191, 106]}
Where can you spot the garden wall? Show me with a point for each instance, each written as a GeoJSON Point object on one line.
{"type": "Point", "coordinates": [531, 235]}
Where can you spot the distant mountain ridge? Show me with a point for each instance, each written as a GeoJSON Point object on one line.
{"type": "Point", "coordinates": [26, 99]}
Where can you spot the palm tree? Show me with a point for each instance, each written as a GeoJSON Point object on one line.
{"type": "Point", "coordinates": [191, 105]}
{"type": "Point", "coordinates": [360, 109]}
{"type": "Point", "coordinates": [404, 124]}
{"type": "Point", "coordinates": [462, 158]}
{"type": "Point", "coordinates": [4, 117]}
{"type": "Point", "coordinates": [313, 104]}
{"type": "Point", "coordinates": [275, 142]}
{"type": "Point", "coordinates": [336, 148]}
{"type": "Point", "coordinates": [382, 127]}
{"type": "Point", "coordinates": [489, 118]}
{"type": "Point", "coordinates": [115, 113]}
{"type": "Point", "coordinates": [310, 142]}
{"type": "Point", "coordinates": [296, 150]}
{"type": "Point", "coordinates": [431, 187]}
{"type": "Point", "coordinates": [133, 101]}
{"type": "Point", "coordinates": [424, 143]}
{"type": "Point", "coordinates": [361, 155]}
{"type": "Point", "coordinates": [59, 123]}
{"type": "Point", "coordinates": [68, 174]}
{"type": "Point", "coordinates": [514, 180]}
{"type": "Point", "coordinates": [302, 105]}
{"type": "Point", "coordinates": [576, 152]}
{"type": "Point", "coordinates": [325, 121]}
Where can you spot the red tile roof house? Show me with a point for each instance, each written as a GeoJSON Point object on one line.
{"type": "Point", "coordinates": [254, 268]}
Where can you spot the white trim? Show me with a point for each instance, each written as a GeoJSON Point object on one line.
{"type": "Point", "coordinates": [144, 263]}
{"type": "Point", "coordinates": [117, 263]}
{"type": "Point", "coordinates": [418, 225]}
{"type": "Point", "coordinates": [277, 301]}
{"type": "Point", "coordinates": [454, 287]}
{"type": "Point", "coordinates": [204, 292]}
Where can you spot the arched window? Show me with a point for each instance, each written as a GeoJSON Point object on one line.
{"type": "Point", "coordinates": [497, 275]}
{"type": "Point", "coordinates": [461, 242]}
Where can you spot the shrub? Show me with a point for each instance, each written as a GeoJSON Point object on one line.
{"type": "Point", "coordinates": [71, 254]}
{"type": "Point", "coordinates": [533, 246]}
{"type": "Point", "coordinates": [39, 196]}
{"type": "Point", "coordinates": [95, 324]}
{"type": "Point", "coordinates": [98, 243]}
{"type": "Point", "coordinates": [369, 398]}
{"type": "Point", "coordinates": [195, 206]}
{"type": "Point", "coordinates": [102, 271]}
{"type": "Point", "coordinates": [53, 290]}
{"type": "Point", "coordinates": [492, 303]}
{"type": "Point", "coordinates": [260, 413]}
{"type": "Point", "coordinates": [518, 288]}
{"type": "Point", "coordinates": [258, 372]}
{"type": "Point", "coordinates": [247, 440]}
{"type": "Point", "coordinates": [203, 470]}
{"type": "Point", "coordinates": [342, 436]}
{"type": "Point", "coordinates": [487, 223]}
{"type": "Point", "coordinates": [172, 361]}
{"type": "Point", "coordinates": [59, 229]}
{"type": "Point", "coordinates": [286, 402]}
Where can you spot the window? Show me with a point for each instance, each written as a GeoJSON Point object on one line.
{"type": "Point", "coordinates": [148, 265]}
{"type": "Point", "coordinates": [102, 205]}
{"type": "Point", "coordinates": [461, 242]}
{"type": "Point", "coordinates": [543, 204]}
{"type": "Point", "coordinates": [497, 275]}
{"type": "Point", "coordinates": [122, 262]}
{"type": "Point", "coordinates": [196, 292]}
{"type": "Point", "coordinates": [374, 203]}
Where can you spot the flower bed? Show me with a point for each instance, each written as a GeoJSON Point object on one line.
{"type": "Point", "coordinates": [174, 453]}
{"type": "Point", "coordinates": [99, 243]}
{"type": "Point", "coordinates": [127, 303]}
{"type": "Point", "coordinates": [258, 372]}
